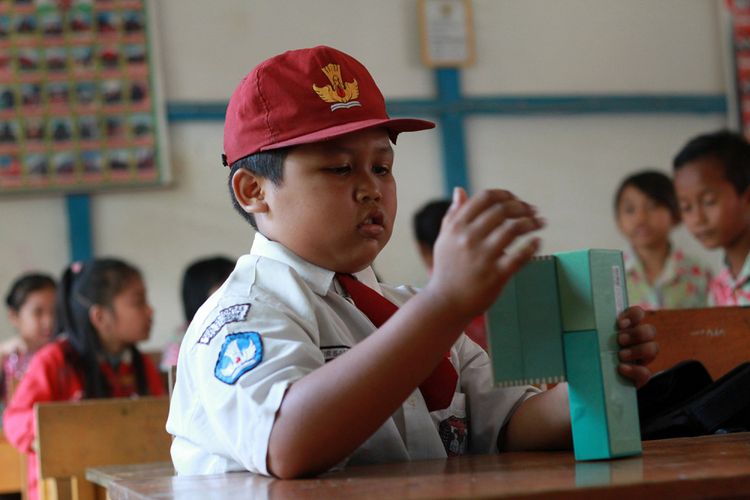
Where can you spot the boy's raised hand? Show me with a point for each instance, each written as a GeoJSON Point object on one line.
{"type": "Point", "coordinates": [472, 262]}
{"type": "Point", "coordinates": [638, 345]}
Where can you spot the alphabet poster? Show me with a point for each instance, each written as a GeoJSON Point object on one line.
{"type": "Point", "coordinates": [80, 106]}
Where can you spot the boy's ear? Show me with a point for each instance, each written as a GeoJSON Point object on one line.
{"type": "Point", "coordinates": [248, 191]}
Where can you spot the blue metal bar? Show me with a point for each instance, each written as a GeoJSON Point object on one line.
{"type": "Point", "coordinates": [196, 111]}
{"type": "Point", "coordinates": [701, 104]}
{"type": "Point", "coordinates": [79, 226]}
{"type": "Point", "coordinates": [593, 104]}
{"type": "Point", "coordinates": [451, 130]}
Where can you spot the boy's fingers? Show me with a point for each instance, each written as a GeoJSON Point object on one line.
{"type": "Point", "coordinates": [638, 335]}
{"type": "Point", "coordinates": [479, 203]}
{"type": "Point", "coordinates": [496, 215]}
{"type": "Point", "coordinates": [641, 353]}
{"type": "Point", "coordinates": [511, 262]}
{"type": "Point", "coordinates": [457, 201]}
{"type": "Point", "coordinates": [502, 237]}
{"type": "Point", "coordinates": [630, 316]}
{"type": "Point", "coordinates": [638, 374]}
{"type": "Point", "coordinates": [459, 198]}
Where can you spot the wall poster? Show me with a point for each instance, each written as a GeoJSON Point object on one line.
{"type": "Point", "coordinates": [737, 28]}
{"type": "Point", "coordinates": [80, 105]}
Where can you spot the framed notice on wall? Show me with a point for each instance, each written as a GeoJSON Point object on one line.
{"type": "Point", "coordinates": [80, 101]}
{"type": "Point", "coordinates": [447, 32]}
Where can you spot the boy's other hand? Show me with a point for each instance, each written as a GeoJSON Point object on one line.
{"type": "Point", "coordinates": [472, 261]}
{"type": "Point", "coordinates": [638, 345]}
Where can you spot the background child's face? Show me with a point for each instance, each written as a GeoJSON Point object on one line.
{"type": "Point", "coordinates": [337, 202]}
{"type": "Point", "coordinates": [36, 317]}
{"type": "Point", "coordinates": [129, 319]}
{"type": "Point", "coordinates": [711, 208]}
{"type": "Point", "coordinates": [645, 223]}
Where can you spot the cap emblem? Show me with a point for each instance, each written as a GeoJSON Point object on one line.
{"type": "Point", "coordinates": [342, 94]}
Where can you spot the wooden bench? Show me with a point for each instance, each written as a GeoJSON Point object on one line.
{"type": "Point", "coordinates": [718, 337]}
{"type": "Point", "coordinates": [74, 436]}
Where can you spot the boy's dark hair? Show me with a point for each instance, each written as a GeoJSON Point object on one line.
{"type": "Point", "coordinates": [427, 221]}
{"type": "Point", "coordinates": [656, 186]}
{"type": "Point", "coordinates": [730, 148]}
{"type": "Point", "coordinates": [96, 282]}
{"type": "Point", "coordinates": [267, 164]}
{"type": "Point", "coordinates": [199, 278]}
{"type": "Point", "coordinates": [25, 285]}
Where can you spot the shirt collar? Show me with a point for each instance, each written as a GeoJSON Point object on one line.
{"type": "Point", "coordinates": [317, 278]}
{"type": "Point", "coordinates": [743, 277]}
{"type": "Point", "coordinates": [630, 259]}
{"type": "Point", "coordinates": [672, 266]}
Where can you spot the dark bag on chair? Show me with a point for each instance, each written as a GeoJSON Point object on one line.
{"type": "Point", "coordinates": [683, 401]}
{"type": "Point", "coordinates": [669, 389]}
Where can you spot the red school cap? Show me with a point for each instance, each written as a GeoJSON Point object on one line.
{"type": "Point", "coordinates": [305, 96]}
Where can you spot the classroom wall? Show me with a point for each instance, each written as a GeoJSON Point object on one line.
{"type": "Point", "coordinates": [567, 165]}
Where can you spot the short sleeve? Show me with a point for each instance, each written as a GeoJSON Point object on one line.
{"type": "Point", "coordinates": [231, 384]}
{"type": "Point", "coordinates": [490, 407]}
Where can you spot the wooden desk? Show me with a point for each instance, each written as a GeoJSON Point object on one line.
{"type": "Point", "coordinates": [704, 467]}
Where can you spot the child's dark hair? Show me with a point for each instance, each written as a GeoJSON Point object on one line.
{"type": "Point", "coordinates": [730, 148]}
{"type": "Point", "coordinates": [24, 286]}
{"type": "Point", "coordinates": [199, 278]}
{"type": "Point", "coordinates": [267, 164]}
{"type": "Point", "coordinates": [654, 184]}
{"type": "Point", "coordinates": [427, 221]}
{"type": "Point", "coordinates": [96, 282]}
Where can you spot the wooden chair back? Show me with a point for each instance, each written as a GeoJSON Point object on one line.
{"type": "Point", "coordinates": [72, 436]}
{"type": "Point", "coordinates": [12, 469]}
{"type": "Point", "coordinates": [718, 337]}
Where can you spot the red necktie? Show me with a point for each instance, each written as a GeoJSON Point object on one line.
{"type": "Point", "coordinates": [438, 388]}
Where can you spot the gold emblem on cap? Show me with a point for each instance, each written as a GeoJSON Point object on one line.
{"type": "Point", "coordinates": [342, 94]}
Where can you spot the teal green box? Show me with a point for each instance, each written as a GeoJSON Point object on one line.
{"type": "Point", "coordinates": [529, 345]}
{"type": "Point", "coordinates": [603, 404]}
{"type": "Point", "coordinates": [555, 322]}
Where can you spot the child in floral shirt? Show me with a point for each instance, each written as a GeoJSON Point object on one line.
{"type": "Point", "coordinates": [659, 276]}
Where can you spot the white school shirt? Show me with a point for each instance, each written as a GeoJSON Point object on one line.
{"type": "Point", "coordinates": [278, 318]}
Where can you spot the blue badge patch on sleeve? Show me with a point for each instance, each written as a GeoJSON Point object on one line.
{"type": "Point", "coordinates": [240, 353]}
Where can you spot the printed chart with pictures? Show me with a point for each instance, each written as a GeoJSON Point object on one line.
{"type": "Point", "coordinates": [79, 106]}
{"type": "Point", "coordinates": [739, 11]}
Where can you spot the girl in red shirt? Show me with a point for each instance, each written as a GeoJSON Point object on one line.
{"type": "Point", "coordinates": [102, 314]}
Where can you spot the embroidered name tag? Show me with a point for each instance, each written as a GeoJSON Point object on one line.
{"type": "Point", "coordinates": [226, 316]}
{"type": "Point", "coordinates": [333, 352]}
{"type": "Point", "coordinates": [240, 353]}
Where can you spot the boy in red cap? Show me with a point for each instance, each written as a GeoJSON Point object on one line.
{"type": "Point", "coordinates": [302, 361]}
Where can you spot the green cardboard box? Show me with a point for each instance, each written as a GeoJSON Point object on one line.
{"type": "Point", "coordinates": [556, 320]}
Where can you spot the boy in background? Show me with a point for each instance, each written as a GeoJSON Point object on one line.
{"type": "Point", "coordinates": [711, 178]}
{"type": "Point", "coordinates": [200, 279]}
{"type": "Point", "coordinates": [426, 223]}
{"type": "Point", "coordinates": [302, 361]}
